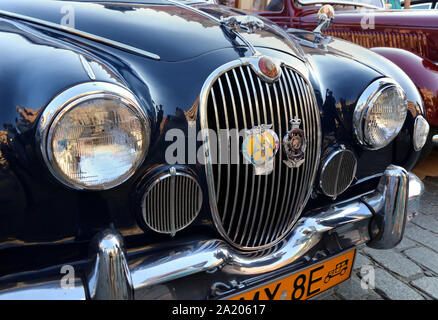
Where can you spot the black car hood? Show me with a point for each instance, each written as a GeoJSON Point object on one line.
{"type": "Point", "coordinates": [163, 28]}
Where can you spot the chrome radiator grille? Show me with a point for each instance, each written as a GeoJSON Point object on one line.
{"type": "Point", "coordinates": [254, 211]}
{"type": "Point", "coordinates": [416, 43]}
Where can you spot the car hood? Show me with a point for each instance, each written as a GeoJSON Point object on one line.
{"type": "Point", "coordinates": [170, 30]}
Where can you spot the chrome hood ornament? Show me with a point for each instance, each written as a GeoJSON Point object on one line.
{"type": "Point", "coordinates": [260, 147]}
{"type": "Point", "coordinates": [246, 23]}
{"type": "Point", "coordinates": [294, 145]}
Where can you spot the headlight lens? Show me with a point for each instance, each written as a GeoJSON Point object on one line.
{"type": "Point", "coordinates": [380, 113]}
{"type": "Point", "coordinates": [97, 140]}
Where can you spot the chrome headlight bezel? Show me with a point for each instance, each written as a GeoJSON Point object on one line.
{"type": "Point", "coordinates": [364, 106]}
{"type": "Point", "coordinates": [69, 99]}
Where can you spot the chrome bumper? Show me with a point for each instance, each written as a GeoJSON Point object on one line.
{"type": "Point", "coordinates": [377, 219]}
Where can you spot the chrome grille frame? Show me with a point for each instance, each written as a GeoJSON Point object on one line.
{"type": "Point", "coordinates": [305, 99]}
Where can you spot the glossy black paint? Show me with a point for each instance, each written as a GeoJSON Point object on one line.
{"type": "Point", "coordinates": [39, 217]}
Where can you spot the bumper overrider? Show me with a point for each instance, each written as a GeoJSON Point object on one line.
{"type": "Point", "coordinates": [211, 268]}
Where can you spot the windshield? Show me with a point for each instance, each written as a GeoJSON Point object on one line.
{"type": "Point", "coordinates": [365, 3]}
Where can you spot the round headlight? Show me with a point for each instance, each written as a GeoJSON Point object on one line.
{"type": "Point", "coordinates": [94, 136]}
{"type": "Point", "coordinates": [380, 113]}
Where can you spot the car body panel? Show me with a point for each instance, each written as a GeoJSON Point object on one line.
{"type": "Point", "coordinates": [44, 224]}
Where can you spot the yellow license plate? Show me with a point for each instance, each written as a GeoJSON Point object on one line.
{"type": "Point", "coordinates": [304, 284]}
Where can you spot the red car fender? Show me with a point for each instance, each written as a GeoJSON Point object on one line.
{"type": "Point", "coordinates": [423, 72]}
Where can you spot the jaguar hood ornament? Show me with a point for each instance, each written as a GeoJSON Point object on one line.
{"type": "Point", "coordinates": [246, 23]}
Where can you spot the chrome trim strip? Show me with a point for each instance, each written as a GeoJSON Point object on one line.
{"type": "Point", "coordinates": [81, 34]}
{"type": "Point", "coordinates": [70, 98]}
{"type": "Point", "coordinates": [87, 67]}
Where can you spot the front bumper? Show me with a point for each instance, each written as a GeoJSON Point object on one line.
{"type": "Point", "coordinates": [212, 269]}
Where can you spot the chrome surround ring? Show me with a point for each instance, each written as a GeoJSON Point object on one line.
{"type": "Point", "coordinates": [166, 175]}
{"type": "Point", "coordinates": [368, 96]}
{"type": "Point", "coordinates": [324, 165]}
{"type": "Point", "coordinates": [70, 98]}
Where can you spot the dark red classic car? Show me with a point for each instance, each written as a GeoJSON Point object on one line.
{"type": "Point", "coordinates": [409, 38]}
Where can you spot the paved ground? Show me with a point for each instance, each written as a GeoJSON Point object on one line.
{"type": "Point", "coordinates": [409, 271]}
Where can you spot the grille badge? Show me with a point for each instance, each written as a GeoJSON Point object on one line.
{"type": "Point", "coordinates": [268, 67]}
{"type": "Point", "coordinates": [260, 147]}
{"type": "Point", "coordinates": [294, 144]}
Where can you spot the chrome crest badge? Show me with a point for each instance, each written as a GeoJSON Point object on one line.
{"type": "Point", "coordinates": [294, 145]}
{"type": "Point", "coordinates": [260, 147]}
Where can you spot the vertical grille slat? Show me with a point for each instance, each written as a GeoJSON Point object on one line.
{"type": "Point", "coordinates": [255, 180]}
{"type": "Point", "coordinates": [245, 125]}
{"type": "Point", "coordinates": [286, 116]}
{"type": "Point", "coordinates": [236, 126]}
{"type": "Point", "coordinates": [251, 211]}
{"type": "Point", "coordinates": [287, 193]}
{"type": "Point", "coordinates": [276, 173]}
{"type": "Point", "coordinates": [259, 121]}
{"type": "Point", "coordinates": [227, 126]}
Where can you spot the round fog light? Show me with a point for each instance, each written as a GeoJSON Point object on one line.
{"type": "Point", "coordinates": [421, 131]}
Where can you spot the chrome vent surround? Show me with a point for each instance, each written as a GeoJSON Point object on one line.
{"type": "Point", "coordinates": [254, 212]}
{"type": "Point", "coordinates": [337, 172]}
{"type": "Point", "coordinates": [171, 202]}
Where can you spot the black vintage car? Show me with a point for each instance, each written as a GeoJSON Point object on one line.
{"type": "Point", "coordinates": [170, 149]}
